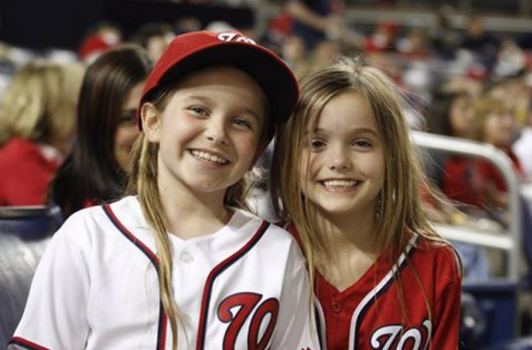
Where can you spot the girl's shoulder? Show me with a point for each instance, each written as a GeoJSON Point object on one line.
{"type": "Point", "coordinates": [439, 254]}
{"type": "Point", "coordinates": [277, 236]}
{"type": "Point", "coordinates": [291, 229]}
{"type": "Point", "coordinates": [88, 223]}
{"type": "Point", "coordinates": [276, 230]}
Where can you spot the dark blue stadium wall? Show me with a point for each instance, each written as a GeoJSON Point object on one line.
{"type": "Point", "coordinates": [44, 24]}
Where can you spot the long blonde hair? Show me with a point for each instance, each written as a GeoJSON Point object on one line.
{"type": "Point", "coordinates": [399, 206]}
{"type": "Point", "coordinates": [40, 102]}
{"type": "Point", "coordinates": [143, 183]}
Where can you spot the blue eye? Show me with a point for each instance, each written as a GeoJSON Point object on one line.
{"type": "Point", "coordinates": [198, 110]}
{"type": "Point", "coordinates": [242, 122]}
{"type": "Point", "coordinates": [363, 144]}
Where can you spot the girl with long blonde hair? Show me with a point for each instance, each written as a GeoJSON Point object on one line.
{"type": "Point", "coordinates": [346, 179]}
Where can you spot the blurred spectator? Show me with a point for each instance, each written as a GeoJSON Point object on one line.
{"type": "Point", "coordinates": [98, 39]}
{"type": "Point", "coordinates": [187, 24]}
{"type": "Point", "coordinates": [414, 45]}
{"type": "Point", "coordinates": [512, 90]}
{"type": "Point", "coordinates": [511, 59]}
{"type": "Point", "coordinates": [444, 38]}
{"type": "Point", "coordinates": [383, 38]}
{"type": "Point", "coordinates": [316, 20]}
{"type": "Point", "coordinates": [294, 53]}
{"type": "Point", "coordinates": [154, 37]}
{"type": "Point", "coordinates": [107, 126]}
{"type": "Point", "coordinates": [37, 128]}
{"type": "Point", "coordinates": [452, 114]}
{"type": "Point", "coordinates": [495, 126]}
{"type": "Point", "coordinates": [219, 26]}
{"type": "Point", "coordinates": [483, 45]}
{"type": "Point", "coordinates": [278, 30]}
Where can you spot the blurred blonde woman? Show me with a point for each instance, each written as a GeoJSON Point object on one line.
{"type": "Point", "coordinates": [495, 125]}
{"type": "Point", "coordinates": [37, 128]}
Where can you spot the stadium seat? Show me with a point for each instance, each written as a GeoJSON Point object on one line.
{"type": "Point", "coordinates": [497, 301]}
{"type": "Point", "coordinates": [519, 344]}
{"type": "Point", "coordinates": [24, 233]}
{"type": "Point", "coordinates": [472, 323]}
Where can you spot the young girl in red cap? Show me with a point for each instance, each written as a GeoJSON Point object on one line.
{"type": "Point", "coordinates": [178, 264]}
{"type": "Point", "coordinates": [349, 182]}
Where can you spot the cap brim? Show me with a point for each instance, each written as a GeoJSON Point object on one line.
{"type": "Point", "coordinates": [272, 74]}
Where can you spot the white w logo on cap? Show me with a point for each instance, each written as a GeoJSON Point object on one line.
{"type": "Point", "coordinates": [232, 36]}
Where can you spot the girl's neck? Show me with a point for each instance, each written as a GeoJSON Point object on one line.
{"type": "Point", "coordinates": [351, 232]}
{"type": "Point", "coordinates": [192, 215]}
{"type": "Point", "coordinates": [350, 248]}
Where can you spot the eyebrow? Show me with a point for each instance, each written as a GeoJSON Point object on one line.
{"type": "Point", "coordinates": [356, 131]}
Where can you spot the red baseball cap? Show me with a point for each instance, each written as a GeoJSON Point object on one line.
{"type": "Point", "coordinates": [195, 50]}
{"type": "Point", "coordinates": [98, 43]}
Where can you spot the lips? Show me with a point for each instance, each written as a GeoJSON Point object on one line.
{"type": "Point", "coordinates": [208, 157]}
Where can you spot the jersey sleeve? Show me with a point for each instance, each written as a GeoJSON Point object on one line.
{"type": "Point", "coordinates": [296, 327]}
{"type": "Point", "coordinates": [55, 315]}
{"type": "Point", "coordinates": [447, 311]}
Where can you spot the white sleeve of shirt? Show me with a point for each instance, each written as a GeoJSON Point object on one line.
{"type": "Point", "coordinates": [296, 326]}
{"type": "Point", "coordinates": [523, 150]}
{"type": "Point", "coordinates": [55, 316]}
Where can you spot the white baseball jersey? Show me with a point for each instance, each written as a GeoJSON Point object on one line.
{"type": "Point", "coordinates": [96, 287]}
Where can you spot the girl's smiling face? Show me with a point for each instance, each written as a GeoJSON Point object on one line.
{"type": "Point", "coordinates": [342, 168]}
{"type": "Point", "coordinates": [210, 131]}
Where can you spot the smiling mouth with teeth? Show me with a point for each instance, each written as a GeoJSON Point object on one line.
{"type": "Point", "coordinates": [339, 183]}
{"type": "Point", "coordinates": [209, 158]}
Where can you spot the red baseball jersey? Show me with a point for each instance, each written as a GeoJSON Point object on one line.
{"type": "Point", "coordinates": [369, 314]}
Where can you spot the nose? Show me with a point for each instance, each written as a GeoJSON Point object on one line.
{"type": "Point", "coordinates": [215, 132]}
{"type": "Point", "coordinates": [339, 159]}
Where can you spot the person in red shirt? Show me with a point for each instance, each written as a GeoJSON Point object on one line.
{"type": "Point", "coordinates": [346, 179]}
{"type": "Point", "coordinates": [452, 113]}
{"type": "Point", "coordinates": [37, 128]}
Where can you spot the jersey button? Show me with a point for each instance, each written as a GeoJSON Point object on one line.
{"type": "Point", "coordinates": [337, 306]}
{"type": "Point", "coordinates": [187, 320]}
{"type": "Point", "coordinates": [186, 257]}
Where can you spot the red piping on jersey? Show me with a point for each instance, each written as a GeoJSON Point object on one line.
{"type": "Point", "coordinates": [218, 270]}
{"type": "Point", "coordinates": [26, 344]}
{"type": "Point", "coordinates": [163, 318]}
{"type": "Point", "coordinates": [154, 259]}
{"type": "Point", "coordinates": [163, 326]}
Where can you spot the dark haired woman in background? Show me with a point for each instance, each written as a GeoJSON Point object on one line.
{"type": "Point", "coordinates": [95, 170]}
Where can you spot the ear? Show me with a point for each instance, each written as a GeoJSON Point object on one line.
{"type": "Point", "coordinates": [151, 122]}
